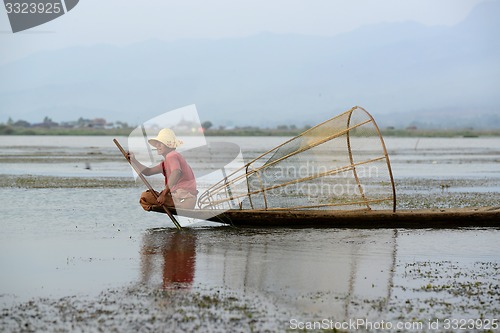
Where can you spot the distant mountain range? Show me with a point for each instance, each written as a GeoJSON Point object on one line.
{"type": "Point", "coordinates": [403, 73]}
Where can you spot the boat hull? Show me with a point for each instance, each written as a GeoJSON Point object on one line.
{"type": "Point", "coordinates": [428, 218]}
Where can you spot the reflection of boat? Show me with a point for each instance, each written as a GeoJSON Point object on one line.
{"type": "Point", "coordinates": [424, 218]}
{"type": "Point", "coordinates": [324, 273]}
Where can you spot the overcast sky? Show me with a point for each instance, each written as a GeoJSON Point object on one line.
{"type": "Point", "coordinates": [121, 22]}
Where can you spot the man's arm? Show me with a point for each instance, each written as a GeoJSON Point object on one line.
{"type": "Point", "coordinates": [146, 171]}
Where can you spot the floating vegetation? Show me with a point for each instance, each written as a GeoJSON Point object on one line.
{"type": "Point", "coordinates": [452, 200]}
{"type": "Point", "coordinates": [446, 289]}
{"type": "Point", "coordinates": [30, 181]}
{"type": "Point", "coordinates": [415, 193]}
{"type": "Point", "coordinates": [142, 309]}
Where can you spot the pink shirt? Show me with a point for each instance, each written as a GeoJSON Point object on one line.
{"type": "Point", "coordinates": [175, 161]}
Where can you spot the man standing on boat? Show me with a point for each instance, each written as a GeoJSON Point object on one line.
{"type": "Point", "coordinates": [180, 184]}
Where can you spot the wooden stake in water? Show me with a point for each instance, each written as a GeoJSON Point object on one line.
{"type": "Point", "coordinates": [145, 181]}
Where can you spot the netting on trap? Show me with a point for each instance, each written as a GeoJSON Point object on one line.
{"type": "Point", "coordinates": [341, 163]}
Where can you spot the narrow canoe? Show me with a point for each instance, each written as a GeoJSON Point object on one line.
{"type": "Point", "coordinates": [422, 218]}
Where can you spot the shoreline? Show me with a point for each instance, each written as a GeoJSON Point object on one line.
{"type": "Point", "coordinates": [250, 132]}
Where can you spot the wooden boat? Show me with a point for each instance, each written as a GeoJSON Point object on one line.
{"type": "Point", "coordinates": [372, 219]}
{"type": "Point", "coordinates": [296, 184]}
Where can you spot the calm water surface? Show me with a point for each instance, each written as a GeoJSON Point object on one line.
{"type": "Point", "coordinates": [59, 242]}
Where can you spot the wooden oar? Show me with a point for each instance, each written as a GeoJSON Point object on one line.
{"type": "Point", "coordinates": [145, 181]}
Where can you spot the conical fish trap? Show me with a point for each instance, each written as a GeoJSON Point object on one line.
{"type": "Point", "coordinates": [341, 163]}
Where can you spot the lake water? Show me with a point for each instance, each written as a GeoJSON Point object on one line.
{"type": "Point", "coordinates": [66, 241]}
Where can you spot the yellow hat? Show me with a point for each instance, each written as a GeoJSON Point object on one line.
{"type": "Point", "coordinates": [167, 137]}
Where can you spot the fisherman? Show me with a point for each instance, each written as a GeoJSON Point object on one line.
{"type": "Point", "coordinates": [180, 184]}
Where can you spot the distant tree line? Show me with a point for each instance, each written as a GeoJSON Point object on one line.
{"type": "Point", "coordinates": [48, 126]}
{"type": "Point", "coordinates": [99, 126]}
{"type": "Point", "coordinates": [47, 122]}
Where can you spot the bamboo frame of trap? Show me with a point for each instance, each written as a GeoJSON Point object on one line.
{"type": "Point", "coordinates": [220, 193]}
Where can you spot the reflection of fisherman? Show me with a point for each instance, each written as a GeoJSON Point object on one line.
{"type": "Point", "coordinates": [179, 256]}
{"type": "Point", "coordinates": [180, 184]}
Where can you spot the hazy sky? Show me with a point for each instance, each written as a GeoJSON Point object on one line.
{"type": "Point", "coordinates": [124, 22]}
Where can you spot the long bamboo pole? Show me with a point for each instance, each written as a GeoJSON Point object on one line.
{"type": "Point", "coordinates": [145, 181]}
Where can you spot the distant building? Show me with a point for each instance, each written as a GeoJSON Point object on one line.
{"type": "Point", "coordinates": [98, 123]}
{"type": "Point", "coordinates": [186, 126]}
